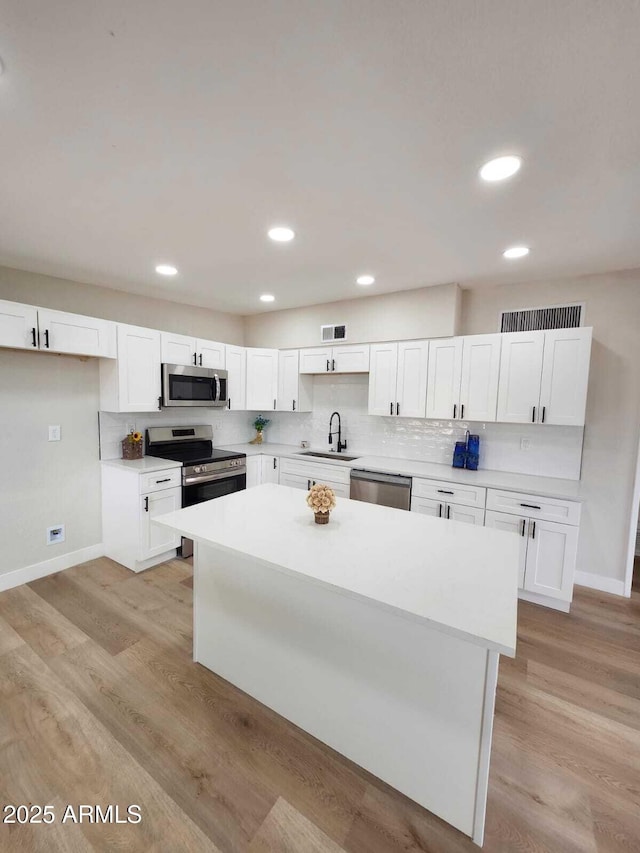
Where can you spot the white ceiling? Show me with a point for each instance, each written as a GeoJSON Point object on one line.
{"type": "Point", "coordinates": [139, 132]}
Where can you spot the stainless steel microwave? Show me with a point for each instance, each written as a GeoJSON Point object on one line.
{"type": "Point", "coordinates": [183, 385]}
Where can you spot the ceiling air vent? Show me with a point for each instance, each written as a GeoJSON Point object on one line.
{"type": "Point", "coordinates": [333, 333]}
{"type": "Point", "coordinates": [533, 319]}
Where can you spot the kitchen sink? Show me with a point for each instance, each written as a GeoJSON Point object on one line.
{"type": "Point", "coordinates": [335, 456]}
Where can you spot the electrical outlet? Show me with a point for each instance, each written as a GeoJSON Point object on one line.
{"type": "Point", "coordinates": [131, 428]}
{"type": "Point", "coordinates": [525, 444]}
{"type": "Point", "coordinates": [55, 534]}
{"type": "Point", "coordinates": [54, 432]}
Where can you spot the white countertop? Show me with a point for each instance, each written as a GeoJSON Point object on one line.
{"type": "Point", "coordinates": [459, 578]}
{"type": "Point", "coordinates": [146, 465]}
{"type": "Point", "coordinates": [552, 487]}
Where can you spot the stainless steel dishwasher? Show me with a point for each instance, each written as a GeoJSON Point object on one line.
{"type": "Point", "coordinates": [392, 490]}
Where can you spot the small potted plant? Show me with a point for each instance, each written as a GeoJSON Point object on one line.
{"type": "Point", "coordinates": [259, 424]}
{"type": "Point", "coordinates": [132, 446]}
{"type": "Point", "coordinates": [321, 499]}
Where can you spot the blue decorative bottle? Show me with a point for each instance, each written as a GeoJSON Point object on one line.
{"type": "Point", "coordinates": [459, 454]}
{"type": "Point", "coordinates": [473, 452]}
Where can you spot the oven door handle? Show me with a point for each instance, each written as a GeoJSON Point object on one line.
{"type": "Point", "coordinates": [208, 478]}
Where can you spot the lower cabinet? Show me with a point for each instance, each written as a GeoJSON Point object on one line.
{"type": "Point", "coordinates": [547, 553]}
{"type": "Point", "coordinates": [132, 497]}
{"type": "Point", "coordinates": [270, 469]}
{"type": "Point", "coordinates": [450, 511]}
{"type": "Point", "coordinates": [254, 471]}
{"type": "Point", "coordinates": [297, 481]}
{"type": "Point", "coordinates": [302, 474]}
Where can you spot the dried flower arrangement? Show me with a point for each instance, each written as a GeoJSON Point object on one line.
{"type": "Point", "coordinates": [132, 446]}
{"type": "Point", "coordinates": [321, 499]}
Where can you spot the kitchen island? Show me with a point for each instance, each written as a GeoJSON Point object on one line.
{"type": "Point", "coordinates": [378, 633]}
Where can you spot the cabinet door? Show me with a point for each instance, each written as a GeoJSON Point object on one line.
{"type": "Point", "coordinates": [411, 385]}
{"type": "Point", "coordinates": [565, 376]}
{"type": "Point", "coordinates": [154, 539]}
{"type": "Point", "coordinates": [353, 358]}
{"type": "Point", "coordinates": [427, 506]}
{"type": "Point", "coordinates": [518, 526]}
{"type": "Point", "coordinates": [520, 376]}
{"type": "Point", "coordinates": [551, 559]}
{"type": "Point", "coordinates": [466, 514]}
{"type": "Point", "coordinates": [75, 334]}
{"type": "Point", "coordinates": [210, 354]}
{"type": "Point", "coordinates": [177, 349]}
{"type": "Point", "coordinates": [18, 325]}
{"type": "Point", "coordinates": [382, 379]}
{"type": "Point", "coordinates": [295, 481]}
{"type": "Point", "coordinates": [288, 380]}
{"type": "Point", "coordinates": [254, 471]}
{"type": "Point", "coordinates": [270, 469]}
{"type": "Point", "coordinates": [315, 360]}
{"type": "Point", "coordinates": [236, 361]}
{"type": "Point", "coordinates": [138, 369]}
{"type": "Point", "coordinates": [262, 379]}
{"type": "Point", "coordinates": [443, 383]}
{"type": "Point", "coordinates": [480, 371]}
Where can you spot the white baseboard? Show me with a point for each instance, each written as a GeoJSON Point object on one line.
{"type": "Point", "coordinates": [600, 582]}
{"type": "Point", "coordinates": [40, 570]}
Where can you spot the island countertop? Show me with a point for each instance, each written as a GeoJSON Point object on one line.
{"type": "Point", "coordinates": [459, 578]}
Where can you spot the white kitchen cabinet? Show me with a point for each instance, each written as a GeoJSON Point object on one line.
{"type": "Point", "coordinates": [297, 481]}
{"type": "Point", "coordinates": [27, 327]}
{"type": "Point", "coordinates": [448, 511]}
{"type": "Point", "coordinates": [133, 494]}
{"type": "Point", "coordinates": [254, 471]}
{"type": "Point", "coordinates": [463, 378]}
{"type": "Point", "coordinates": [443, 382]}
{"type": "Point", "coordinates": [270, 469]}
{"type": "Point", "coordinates": [547, 554]}
{"type": "Point", "coordinates": [236, 361]}
{"type": "Point", "coordinates": [316, 472]}
{"type": "Point", "coordinates": [544, 376]}
{"type": "Point", "coordinates": [346, 358]}
{"type": "Point", "coordinates": [197, 352]}
{"type": "Point", "coordinates": [295, 391]}
{"type": "Point", "coordinates": [398, 379]}
{"type": "Point", "coordinates": [131, 383]}
{"type": "Point", "coordinates": [18, 325]}
{"type": "Point", "coordinates": [262, 379]}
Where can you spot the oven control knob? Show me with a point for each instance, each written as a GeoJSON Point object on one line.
{"type": "Point", "coordinates": [197, 469]}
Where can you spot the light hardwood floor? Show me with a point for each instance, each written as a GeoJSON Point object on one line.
{"type": "Point", "coordinates": [101, 703]}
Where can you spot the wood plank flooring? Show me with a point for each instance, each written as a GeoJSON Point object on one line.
{"type": "Point", "coordinates": [100, 703]}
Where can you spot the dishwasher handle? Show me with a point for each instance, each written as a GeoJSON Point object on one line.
{"type": "Point", "coordinates": [375, 477]}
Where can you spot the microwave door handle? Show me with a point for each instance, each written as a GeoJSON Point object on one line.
{"type": "Point", "coordinates": [218, 388]}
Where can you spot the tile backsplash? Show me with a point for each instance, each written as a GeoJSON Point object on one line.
{"type": "Point", "coordinates": [552, 451]}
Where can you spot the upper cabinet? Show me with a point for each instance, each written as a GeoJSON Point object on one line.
{"type": "Point", "coordinates": [544, 376]}
{"type": "Point", "coordinates": [262, 379]}
{"type": "Point", "coordinates": [181, 349]}
{"type": "Point", "coordinates": [463, 378]}
{"type": "Point", "coordinates": [295, 391]}
{"type": "Point", "coordinates": [346, 358]}
{"type": "Point", "coordinates": [131, 383]}
{"type": "Point", "coordinates": [27, 327]}
{"type": "Point", "coordinates": [398, 379]}
{"type": "Point", "coordinates": [236, 366]}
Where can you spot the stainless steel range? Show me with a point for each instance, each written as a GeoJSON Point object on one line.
{"type": "Point", "coordinates": [206, 473]}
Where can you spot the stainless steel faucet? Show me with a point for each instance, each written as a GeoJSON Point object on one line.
{"type": "Point", "coordinates": [342, 445]}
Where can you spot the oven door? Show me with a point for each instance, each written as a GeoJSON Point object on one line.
{"type": "Point", "coordinates": [206, 487]}
{"type": "Point", "coordinates": [183, 385]}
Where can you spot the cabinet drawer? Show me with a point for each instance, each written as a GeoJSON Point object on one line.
{"type": "Point", "coordinates": [158, 480]}
{"type": "Point", "coordinates": [318, 471]}
{"type": "Point", "coordinates": [453, 493]}
{"type": "Point", "coordinates": [533, 506]}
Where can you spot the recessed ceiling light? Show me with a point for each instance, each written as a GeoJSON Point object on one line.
{"type": "Point", "coordinates": [166, 269]}
{"type": "Point", "coordinates": [267, 297]}
{"type": "Point", "coordinates": [516, 252]}
{"type": "Point", "coordinates": [500, 168]}
{"type": "Point", "coordinates": [282, 234]}
{"type": "Point", "coordinates": [365, 280]}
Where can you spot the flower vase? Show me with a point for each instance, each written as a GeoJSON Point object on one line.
{"type": "Point", "coordinates": [321, 517]}
{"type": "Point", "coordinates": [258, 438]}
{"type": "Point", "coordinates": [131, 449]}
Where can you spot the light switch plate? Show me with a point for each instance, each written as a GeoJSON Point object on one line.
{"type": "Point", "coordinates": [54, 432]}
{"type": "Point", "coordinates": [55, 534]}
{"type": "Point", "coordinates": [525, 444]}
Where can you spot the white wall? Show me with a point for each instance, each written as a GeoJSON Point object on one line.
{"type": "Point", "coordinates": [613, 403]}
{"type": "Point", "coordinates": [430, 312]}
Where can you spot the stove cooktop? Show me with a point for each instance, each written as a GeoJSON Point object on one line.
{"type": "Point", "coordinates": [197, 457]}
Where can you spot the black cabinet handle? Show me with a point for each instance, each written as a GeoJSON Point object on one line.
{"type": "Point", "coordinates": [166, 480]}
{"type": "Point", "coordinates": [448, 511]}
{"type": "Point", "coordinates": [533, 416]}
{"type": "Point", "coordinates": [327, 364]}
{"type": "Point", "coordinates": [462, 410]}
{"type": "Point", "coordinates": [390, 408]}
{"type": "Point", "coordinates": [308, 484]}
{"type": "Point", "coordinates": [229, 402]}
{"type": "Point", "coordinates": [533, 530]}
{"type": "Point", "coordinates": [333, 364]}
{"type": "Point", "coordinates": [159, 403]}
{"type": "Point", "coordinates": [33, 337]}
{"type": "Point", "coordinates": [274, 405]}
{"type": "Point", "coordinates": [275, 463]}
{"type": "Point", "coordinates": [46, 338]}
{"type": "Point", "coordinates": [444, 492]}
{"type": "Point", "coordinates": [455, 408]}
{"type": "Point", "coordinates": [439, 510]}
{"type": "Point", "coordinates": [194, 358]}
{"type": "Point", "coordinates": [294, 405]}
{"type": "Point", "coordinates": [200, 359]}
{"type": "Point", "coordinates": [523, 527]}
{"type": "Point", "coordinates": [544, 409]}
{"type": "Point", "coordinates": [531, 506]}
{"type": "Point", "coordinates": [146, 504]}
{"type": "Point", "coordinates": [397, 408]}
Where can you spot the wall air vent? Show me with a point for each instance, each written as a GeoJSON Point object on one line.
{"type": "Point", "coordinates": [534, 319]}
{"type": "Point", "coordinates": [333, 333]}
